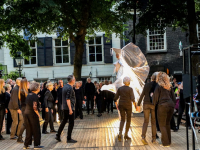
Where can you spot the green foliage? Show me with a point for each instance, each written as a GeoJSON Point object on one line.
{"type": "Point", "coordinates": [13, 75]}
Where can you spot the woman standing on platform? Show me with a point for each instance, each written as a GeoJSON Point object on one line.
{"type": "Point", "coordinates": [126, 97]}
{"type": "Point", "coordinates": [165, 98]}
{"type": "Point", "coordinates": [31, 118]}
{"type": "Point", "coordinates": [48, 106]}
{"type": "Point", "coordinates": [3, 109]}
{"type": "Point", "coordinates": [23, 92]}
{"type": "Point", "coordinates": [9, 118]}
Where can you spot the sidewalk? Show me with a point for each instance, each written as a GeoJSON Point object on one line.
{"type": "Point", "coordinates": [93, 133]}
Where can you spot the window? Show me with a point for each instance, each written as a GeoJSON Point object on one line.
{"type": "Point", "coordinates": [61, 51]}
{"type": "Point", "coordinates": [102, 79]}
{"type": "Point", "coordinates": [198, 32]}
{"type": "Point", "coordinates": [33, 58]}
{"type": "Point", "coordinates": [156, 41]}
{"type": "Point", "coordinates": [95, 49]}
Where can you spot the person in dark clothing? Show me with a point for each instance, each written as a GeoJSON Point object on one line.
{"type": "Point", "coordinates": [109, 100]}
{"type": "Point", "coordinates": [42, 99]}
{"type": "Point", "coordinates": [181, 105]}
{"type": "Point", "coordinates": [68, 106]}
{"type": "Point", "coordinates": [15, 111]}
{"type": "Point", "coordinates": [98, 99]}
{"type": "Point", "coordinates": [9, 118]}
{"type": "Point", "coordinates": [79, 100]}
{"type": "Point", "coordinates": [54, 93]}
{"type": "Point", "coordinates": [48, 105]}
{"type": "Point", "coordinates": [3, 108]}
{"type": "Point", "coordinates": [89, 95]}
{"type": "Point", "coordinates": [165, 98]}
{"type": "Point", "coordinates": [148, 108]}
{"type": "Point", "coordinates": [59, 99]}
{"type": "Point", "coordinates": [126, 95]}
{"type": "Point", "coordinates": [31, 118]}
{"type": "Point", "coordinates": [23, 92]}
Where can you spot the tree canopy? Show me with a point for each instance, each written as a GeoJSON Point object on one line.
{"type": "Point", "coordinates": [74, 19]}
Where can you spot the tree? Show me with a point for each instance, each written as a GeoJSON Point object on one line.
{"type": "Point", "coordinates": [159, 14]}
{"type": "Point", "coordinates": [74, 19]}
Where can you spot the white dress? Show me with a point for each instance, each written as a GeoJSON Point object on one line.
{"type": "Point", "coordinates": [137, 74]}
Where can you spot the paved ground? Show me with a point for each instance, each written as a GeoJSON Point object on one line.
{"type": "Point", "coordinates": [94, 133]}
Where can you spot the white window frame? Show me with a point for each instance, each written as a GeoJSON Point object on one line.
{"type": "Point", "coordinates": [31, 65]}
{"type": "Point", "coordinates": [88, 53]}
{"type": "Point", "coordinates": [158, 50]}
{"type": "Point", "coordinates": [54, 49]}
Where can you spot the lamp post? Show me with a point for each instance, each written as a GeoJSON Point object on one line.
{"type": "Point", "coordinates": [19, 61]}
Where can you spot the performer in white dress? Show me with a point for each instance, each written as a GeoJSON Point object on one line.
{"type": "Point", "coordinates": [133, 64]}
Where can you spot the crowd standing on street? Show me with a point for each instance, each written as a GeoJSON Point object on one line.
{"type": "Point", "coordinates": [24, 101]}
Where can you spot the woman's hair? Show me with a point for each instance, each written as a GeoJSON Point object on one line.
{"type": "Point", "coordinates": [154, 75]}
{"type": "Point", "coordinates": [49, 84]}
{"type": "Point", "coordinates": [126, 80]}
{"type": "Point", "coordinates": [34, 86]}
{"type": "Point", "coordinates": [2, 90]}
{"type": "Point", "coordinates": [97, 84]}
{"type": "Point", "coordinates": [163, 80]}
{"type": "Point", "coordinates": [23, 88]}
{"type": "Point", "coordinates": [7, 86]}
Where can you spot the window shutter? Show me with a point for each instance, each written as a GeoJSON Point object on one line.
{"type": "Point", "coordinates": [84, 60]}
{"type": "Point", "coordinates": [41, 52]}
{"type": "Point", "coordinates": [72, 52]}
{"type": "Point", "coordinates": [48, 52]}
{"type": "Point", "coordinates": [107, 46]}
{"type": "Point", "coordinates": [14, 63]}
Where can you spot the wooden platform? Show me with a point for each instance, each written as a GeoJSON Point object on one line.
{"type": "Point", "coordinates": [94, 133]}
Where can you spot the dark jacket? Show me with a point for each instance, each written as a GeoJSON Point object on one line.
{"type": "Point", "coordinates": [148, 88]}
{"type": "Point", "coordinates": [109, 95]}
{"type": "Point", "coordinates": [7, 99]}
{"type": "Point", "coordinates": [164, 97]}
{"type": "Point", "coordinates": [89, 89]}
{"type": "Point", "coordinates": [98, 95]}
{"type": "Point", "coordinates": [126, 96]}
{"type": "Point", "coordinates": [54, 93]}
{"type": "Point", "coordinates": [48, 100]}
{"type": "Point", "coordinates": [3, 98]}
{"type": "Point", "coordinates": [79, 94]}
{"type": "Point", "coordinates": [14, 100]}
{"type": "Point", "coordinates": [59, 95]}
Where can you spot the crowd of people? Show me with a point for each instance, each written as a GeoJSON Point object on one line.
{"type": "Point", "coordinates": [23, 101]}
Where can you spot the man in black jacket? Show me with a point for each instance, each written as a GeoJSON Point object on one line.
{"type": "Point", "coordinates": [59, 99]}
{"type": "Point", "coordinates": [148, 108]}
{"type": "Point", "coordinates": [14, 108]}
{"type": "Point", "coordinates": [89, 95]}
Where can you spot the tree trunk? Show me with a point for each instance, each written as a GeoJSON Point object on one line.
{"type": "Point", "coordinates": [193, 39]}
{"type": "Point", "coordinates": [78, 59]}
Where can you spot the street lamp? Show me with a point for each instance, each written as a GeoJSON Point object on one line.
{"type": "Point", "coordinates": [19, 61]}
{"type": "Point", "coordinates": [90, 74]}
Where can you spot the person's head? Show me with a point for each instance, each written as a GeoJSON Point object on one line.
{"type": "Point", "coordinates": [23, 88]}
{"type": "Point", "coordinates": [95, 82]}
{"type": "Point", "coordinates": [88, 80]}
{"type": "Point", "coordinates": [126, 81]}
{"type": "Point", "coordinates": [35, 87]}
{"type": "Point", "coordinates": [23, 77]}
{"type": "Point", "coordinates": [174, 80]}
{"type": "Point", "coordinates": [13, 82]}
{"type": "Point", "coordinates": [97, 86]}
{"type": "Point", "coordinates": [110, 82]}
{"type": "Point", "coordinates": [180, 85]}
{"type": "Point", "coordinates": [41, 86]}
{"type": "Point", "coordinates": [60, 82]}
{"type": "Point", "coordinates": [18, 81]}
{"type": "Point", "coordinates": [106, 82]}
{"type": "Point", "coordinates": [55, 85]}
{"type": "Point", "coordinates": [77, 84]}
{"type": "Point", "coordinates": [154, 75]}
{"type": "Point", "coordinates": [9, 81]}
{"type": "Point", "coordinates": [2, 83]}
{"type": "Point", "coordinates": [8, 87]}
{"type": "Point", "coordinates": [71, 80]}
{"type": "Point", "coordinates": [44, 85]}
{"type": "Point", "coordinates": [100, 84]}
{"type": "Point", "coordinates": [81, 83]}
{"type": "Point", "coordinates": [49, 86]}
{"type": "Point", "coordinates": [163, 80]}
